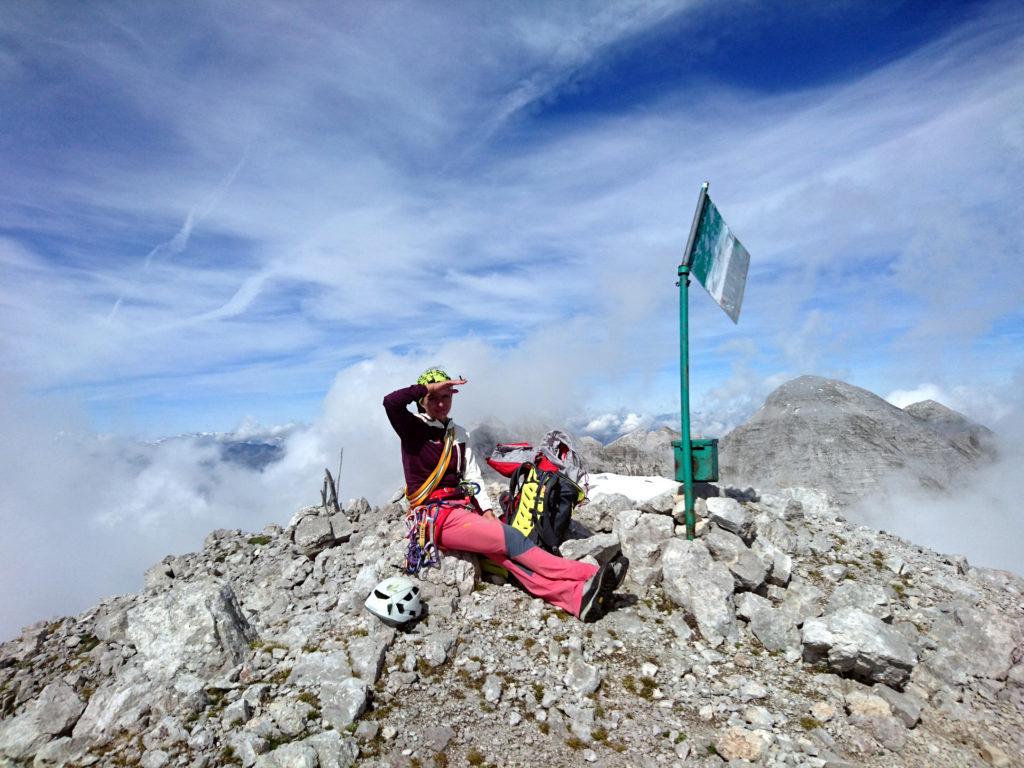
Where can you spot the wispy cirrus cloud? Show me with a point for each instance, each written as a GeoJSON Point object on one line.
{"type": "Point", "coordinates": [327, 201]}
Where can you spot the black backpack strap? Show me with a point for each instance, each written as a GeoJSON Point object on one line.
{"type": "Point", "coordinates": [548, 505]}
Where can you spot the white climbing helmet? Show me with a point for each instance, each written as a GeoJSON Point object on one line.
{"type": "Point", "coordinates": [396, 599]}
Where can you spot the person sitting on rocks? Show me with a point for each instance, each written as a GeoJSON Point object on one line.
{"type": "Point", "coordinates": [443, 480]}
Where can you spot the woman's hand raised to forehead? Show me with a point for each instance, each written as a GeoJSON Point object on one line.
{"type": "Point", "coordinates": [444, 387]}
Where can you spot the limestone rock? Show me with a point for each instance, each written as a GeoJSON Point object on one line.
{"type": "Point", "coordinates": [662, 504]}
{"type": "Point", "coordinates": [870, 598]}
{"type": "Point", "coordinates": [971, 643]}
{"type": "Point", "coordinates": [599, 514]}
{"type": "Point", "coordinates": [740, 744]}
{"type": "Point", "coordinates": [196, 627]}
{"type": "Point", "coordinates": [702, 587]}
{"type": "Point", "coordinates": [293, 755]}
{"type": "Point", "coordinates": [492, 689]}
{"type": "Point", "coordinates": [313, 534]}
{"type": "Point", "coordinates": [642, 536]}
{"type": "Point", "coordinates": [582, 677]}
{"type": "Point", "coordinates": [857, 643]}
{"type": "Point", "coordinates": [367, 655]}
{"type": "Point", "coordinates": [775, 628]}
{"type": "Point", "coordinates": [905, 706]}
{"type": "Point", "coordinates": [863, 704]}
{"type": "Point", "coordinates": [802, 601]}
{"type": "Point", "coordinates": [729, 549]}
{"type": "Point", "coordinates": [333, 750]}
{"type": "Point", "coordinates": [52, 714]}
{"type": "Point", "coordinates": [117, 705]}
{"type": "Point", "coordinates": [342, 701]}
{"type": "Point", "coordinates": [730, 515]}
{"type": "Point", "coordinates": [602, 547]}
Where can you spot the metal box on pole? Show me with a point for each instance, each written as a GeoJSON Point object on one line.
{"type": "Point", "coordinates": [703, 459]}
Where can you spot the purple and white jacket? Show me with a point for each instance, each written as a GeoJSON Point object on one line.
{"type": "Point", "coordinates": [423, 442]}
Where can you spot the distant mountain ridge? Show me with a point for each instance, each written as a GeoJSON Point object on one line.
{"type": "Point", "coordinates": [828, 434]}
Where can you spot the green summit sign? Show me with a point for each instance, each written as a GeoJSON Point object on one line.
{"type": "Point", "coordinates": [715, 257]}
{"type": "Point", "coordinates": [719, 260]}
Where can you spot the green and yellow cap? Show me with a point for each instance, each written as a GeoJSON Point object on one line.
{"type": "Point", "coordinates": [432, 376]}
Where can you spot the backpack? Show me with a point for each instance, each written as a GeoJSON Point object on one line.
{"type": "Point", "coordinates": [543, 493]}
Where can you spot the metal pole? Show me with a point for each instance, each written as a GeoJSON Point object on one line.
{"type": "Point", "coordinates": [684, 396]}
{"type": "Point", "coordinates": [701, 198]}
{"type": "Point", "coordinates": [684, 363]}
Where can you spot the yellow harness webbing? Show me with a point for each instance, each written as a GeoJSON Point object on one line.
{"type": "Point", "coordinates": [434, 479]}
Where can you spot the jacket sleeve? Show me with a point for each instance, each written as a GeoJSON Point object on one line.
{"type": "Point", "coordinates": [396, 405]}
{"type": "Point", "coordinates": [474, 475]}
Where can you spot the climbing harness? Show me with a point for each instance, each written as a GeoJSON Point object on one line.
{"type": "Point", "coordinates": [421, 524]}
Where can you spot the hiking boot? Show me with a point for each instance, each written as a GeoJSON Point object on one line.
{"type": "Point", "coordinates": [594, 595]}
{"type": "Point", "coordinates": [617, 568]}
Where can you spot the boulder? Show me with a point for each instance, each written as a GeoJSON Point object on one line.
{"type": "Point", "coordinates": [802, 601]}
{"type": "Point", "coordinates": [196, 627]}
{"type": "Point", "coordinates": [662, 504]}
{"type": "Point", "coordinates": [293, 755]}
{"type": "Point", "coordinates": [774, 628]}
{"type": "Point", "coordinates": [856, 643]}
{"type": "Point", "coordinates": [342, 701]}
{"type": "Point", "coordinates": [870, 598]}
{"type": "Point", "coordinates": [460, 570]}
{"type": "Point", "coordinates": [702, 587]}
{"type": "Point", "coordinates": [582, 677]}
{"type": "Point", "coordinates": [738, 743]}
{"type": "Point", "coordinates": [367, 655]}
{"type": "Point", "coordinates": [642, 536]}
{"type": "Point", "coordinates": [313, 534]}
{"type": "Point", "coordinates": [778, 564]}
{"type": "Point", "coordinates": [599, 514]}
{"type": "Point", "coordinates": [52, 714]}
{"type": "Point", "coordinates": [730, 515]}
{"type": "Point", "coordinates": [970, 642]}
{"type": "Point", "coordinates": [905, 706]}
{"type": "Point", "coordinates": [729, 549]}
{"type": "Point", "coordinates": [341, 527]}
{"type": "Point", "coordinates": [602, 547]}
{"type": "Point", "coordinates": [313, 669]}
{"type": "Point", "coordinates": [332, 750]}
{"type": "Point", "coordinates": [114, 707]}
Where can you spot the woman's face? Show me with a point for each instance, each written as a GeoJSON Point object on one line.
{"type": "Point", "coordinates": [437, 406]}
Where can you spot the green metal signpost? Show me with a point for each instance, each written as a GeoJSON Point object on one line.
{"type": "Point", "coordinates": [718, 260]}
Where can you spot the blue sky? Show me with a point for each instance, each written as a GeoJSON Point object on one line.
{"type": "Point", "coordinates": [276, 212]}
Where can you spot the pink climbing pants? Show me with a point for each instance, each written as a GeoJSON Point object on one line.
{"type": "Point", "coordinates": [542, 574]}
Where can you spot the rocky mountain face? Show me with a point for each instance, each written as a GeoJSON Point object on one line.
{"type": "Point", "coordinates": [640, 452]}
{"type": "Point", "coordinates": [827, 434]}
{"type": "Point", "coordinates": [957, 427]}
{"type": "Point", "coordinates": [637, 453]}
{"type": "Point", "coordinates": [782, 636]}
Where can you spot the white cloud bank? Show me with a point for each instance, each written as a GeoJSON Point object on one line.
{"type": "Point", "coordinates": [980, 516]}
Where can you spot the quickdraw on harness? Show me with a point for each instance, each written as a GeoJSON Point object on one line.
{"type": "Point", "coordinates": [423, 551]}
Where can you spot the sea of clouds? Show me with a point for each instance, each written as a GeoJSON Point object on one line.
{"type": "Point", "coordinates": [86, 514]}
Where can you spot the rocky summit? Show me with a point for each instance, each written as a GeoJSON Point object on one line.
{"type": "Point", "coordinates": [782, 635]}
{"type": "Point", "coordinates": [830, 435]}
